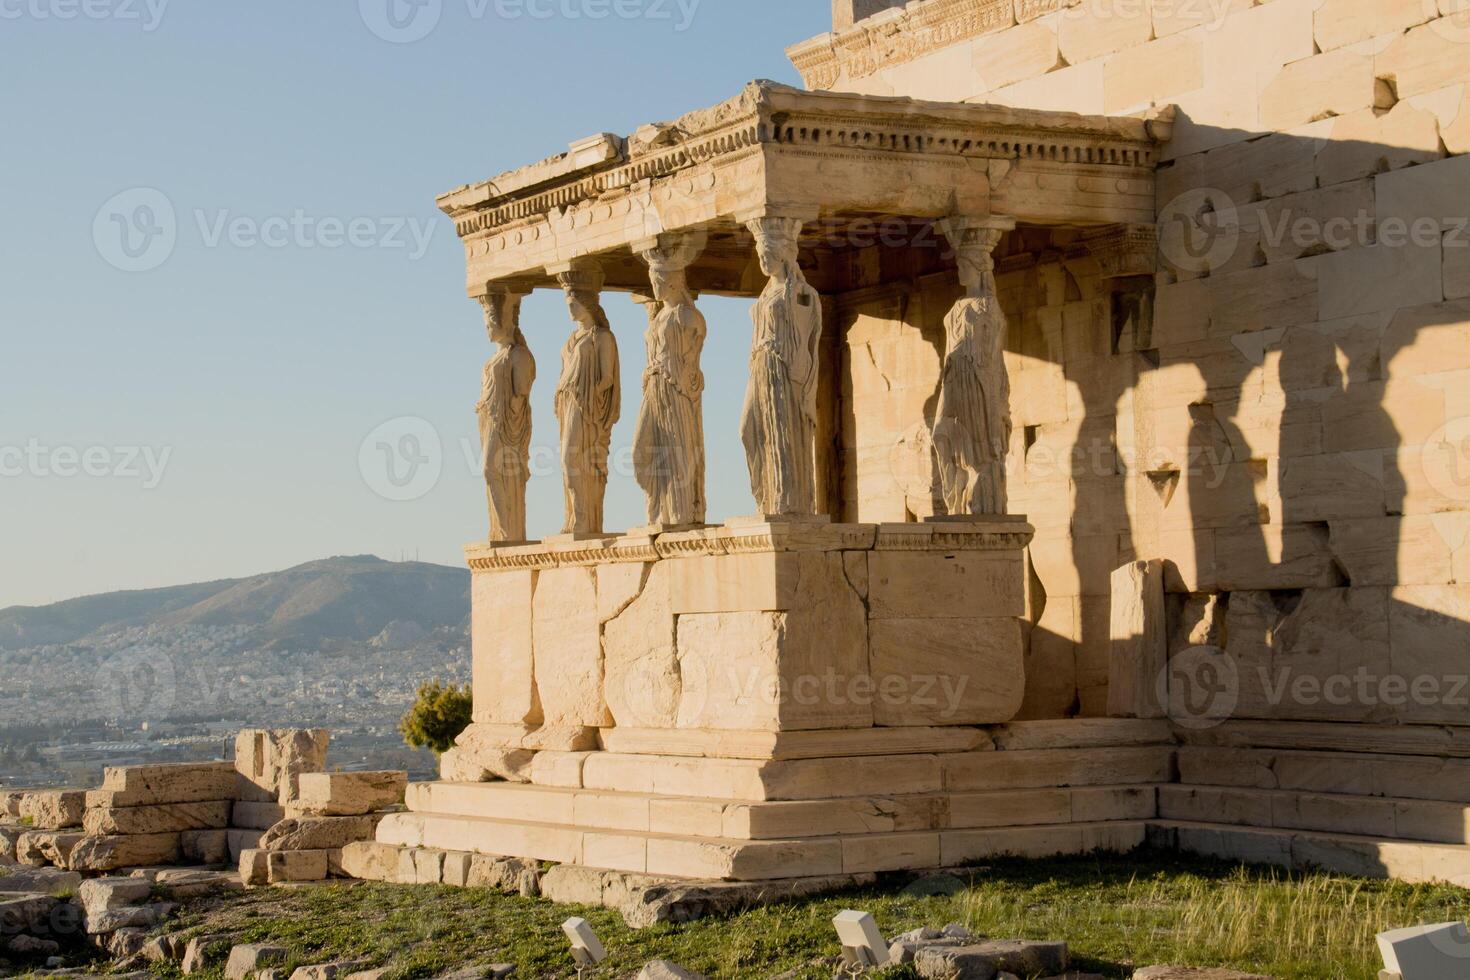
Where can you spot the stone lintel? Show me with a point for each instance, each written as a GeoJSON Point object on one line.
{"type": "Point", "coordinates": [776, 150]}
{"type": "Point", "coordinates": [1002, 533]}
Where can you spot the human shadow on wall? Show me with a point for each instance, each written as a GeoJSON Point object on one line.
{"type": "Point", "coordinates": [1319, 488]}
{"type": "Point", "coordinates": [1279, 458]}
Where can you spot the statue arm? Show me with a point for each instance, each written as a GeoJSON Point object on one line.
{"type": "Point", "coordinates": [523, 373]}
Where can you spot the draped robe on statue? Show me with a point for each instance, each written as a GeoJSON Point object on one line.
{"type": "Point", "coordinates": [972, 429]}
{"type": "Point", "coordinates": [668, 443]}
{"type": "Point", "coordinates": [587, 405]}
{"type": "Point", "coordinates": [779, 424]}
{"type": "Point", "coordinates": [505, 438]}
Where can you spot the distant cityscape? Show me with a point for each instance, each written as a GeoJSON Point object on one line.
{"type": "Point", "coordinates": [180, 693]}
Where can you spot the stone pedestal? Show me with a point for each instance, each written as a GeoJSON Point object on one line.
{"type": "Point", "coordinates": [752, 627]}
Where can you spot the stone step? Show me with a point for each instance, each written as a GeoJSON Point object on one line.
{"type": "Point", "coordinates": [1369, 857]}
{"type": "Point", "coordinates": [608, 810]}
{"type": "Point", "coordinates": [755, 780]}
{"type": "Point", "coordinates": [1410, 777]}
{"type": "Point", "coordinates": [746, 860]}
{"type": "Point", "coordinates": [1400, 819]}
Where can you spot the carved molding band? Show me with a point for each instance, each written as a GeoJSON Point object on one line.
{"type": "Point", "coordinates": [901, 35]}
{"type": "Point", "coordinates": [987, 535]}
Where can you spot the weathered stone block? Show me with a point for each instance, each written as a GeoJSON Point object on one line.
{"type": "Point", "coordinates": [160, 819]}
{"type": "Point", "coordinates": [270, 762]}
{"type": "Point", "coordinates": [567, 641]}
{"type": "Point", "coordinates": [246, 960]}
{"type": "Point", "coordinates": [288, 866]}
{"type": "Point", "coordinates": [943, 672]}
{"type": "Point", "coordinates": [501, 637]}
{"type": "Point", "coordinates": [319, 833]}
{"type": "Point", "coordinates": [961, 585]}
{"type": "Point", "coordinates": [1139, 644]}
{"type": "Point", "coordinates": [350, 793]}
{"type": "Point", "coordinates": [186, 782]}
{"type": "Point", "coordinates": [206, 846]}
{"type": "Point", "coordinates": [54, 809]}
{"type": "Point", "coordinates": [111, 853]}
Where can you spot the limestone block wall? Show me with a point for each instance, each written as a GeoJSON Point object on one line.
{"type": "Point", "coordinates": [1291, 434]}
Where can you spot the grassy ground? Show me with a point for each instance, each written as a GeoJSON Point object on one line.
{"type": "Point", "coordinates": [1115, 912]}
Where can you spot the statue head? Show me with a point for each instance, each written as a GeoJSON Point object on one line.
{"type": "Point", "coordinates": [776, 246]}
{"type": "Point", "coordinates": [977, 271]}
{"type": "Point", "coordinates": [586, 309]}
{"type": "Point", "coordinates": [502, 316]}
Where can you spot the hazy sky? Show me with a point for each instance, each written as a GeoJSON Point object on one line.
{"type": "Point", "coordinates": [222, 271]}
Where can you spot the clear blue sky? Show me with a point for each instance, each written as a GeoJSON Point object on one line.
{"type": "Point", "coordinates": [255, 357]}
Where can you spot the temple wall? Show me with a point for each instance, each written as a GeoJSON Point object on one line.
{"type": "Point", "coordinates": [1293, 427]}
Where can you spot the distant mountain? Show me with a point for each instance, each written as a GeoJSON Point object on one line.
{"type": "Point", "coordinates": [319, 605]}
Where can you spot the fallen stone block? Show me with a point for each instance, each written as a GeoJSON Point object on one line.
{"type": "Point", "coordinates": [205, 846]}
{"type": "Point", "coordinates": [645, 900]}
{"type": "Point", "coordinates": [282, 867]}
{"type": "Point", "coordinates": [664, 970]}
{"type": "Point", "coordinates": [1194, 973]}
{"type": "Point", "coordinates": [319, 833]}
{"type": "Point", "coordinates": [111, 853]}
{"type": "Point", "coordinates": [245, 961]}
{"type": "Point", "coordinates": [8, 837]}
{"type": "Point", "coordinates": [10, 803]}
{"type": "Point", "coordinates": [192, 882]}
{"type": "Point", "coordinates": [270, 763]}
{"type": "Point", "coordinates": [38, 848]}
{"type": "Point", "coordinates": [26, 913]}
{"type": "Point", "coordinates": [329, 971]}
{"type": "Point", "coordinates": [254, 868]}
{"type": "Point", "coordinates": [126, 943]}
{"type": "Point", "coordinates": [164, 818]}
{"type": "Point", "coordinates": [185, 782]}
{"type": "Point", "coordinates": [371, 861]}
{"type": "Point", "coordinates": [257, 816]}
{"type": "Point", "coordinates": [104, 921]}
{"type": "Point", "coordinates": [241, 841]}
{"type": "Point", "coordinates": [54, 809]}
{"type": "Point", "coordinates": [104, 894]}
{"type": "Point", "coordinates": [205, 952]}
{"type": "Point", "coordinates": [515, 876]}
{"type": "Point", "coordinates": [165, 949]}
{"type": "Point", "coordinates": [350, 793]}
{"type": "Point", "coordinates": [42, 881]}
{"type": "Point", "coordinates": [31, 946]}
{"type": "Point", "coordinates": [982, 961]}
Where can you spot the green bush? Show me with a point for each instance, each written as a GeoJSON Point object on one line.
{"type": "Point", "coordinates": [437, 717]}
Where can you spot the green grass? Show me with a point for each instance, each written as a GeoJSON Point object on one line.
{"type": "Point", "coordinates": [1115, 912]}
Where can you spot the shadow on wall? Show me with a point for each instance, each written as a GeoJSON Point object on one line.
{"type": "Point", "coordinates": [1289, 430]}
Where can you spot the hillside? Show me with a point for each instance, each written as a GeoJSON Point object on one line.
{"type": "Point", "coordinates": [319, 605]}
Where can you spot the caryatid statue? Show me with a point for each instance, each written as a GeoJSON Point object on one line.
{"type": "Point", "coordinates": [779, 421]}
{"type": "Point", "coordinates": [588, 400]}
{"type": "Point", "coordinates": [972, 425]}
{"type": "Point", "coordinates": [505, 416]}
{"type": "Point", "coordinates": [668, 443]}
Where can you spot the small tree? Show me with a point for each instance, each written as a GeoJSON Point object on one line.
{"type": "Point", "coordinates": [437, 717]}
